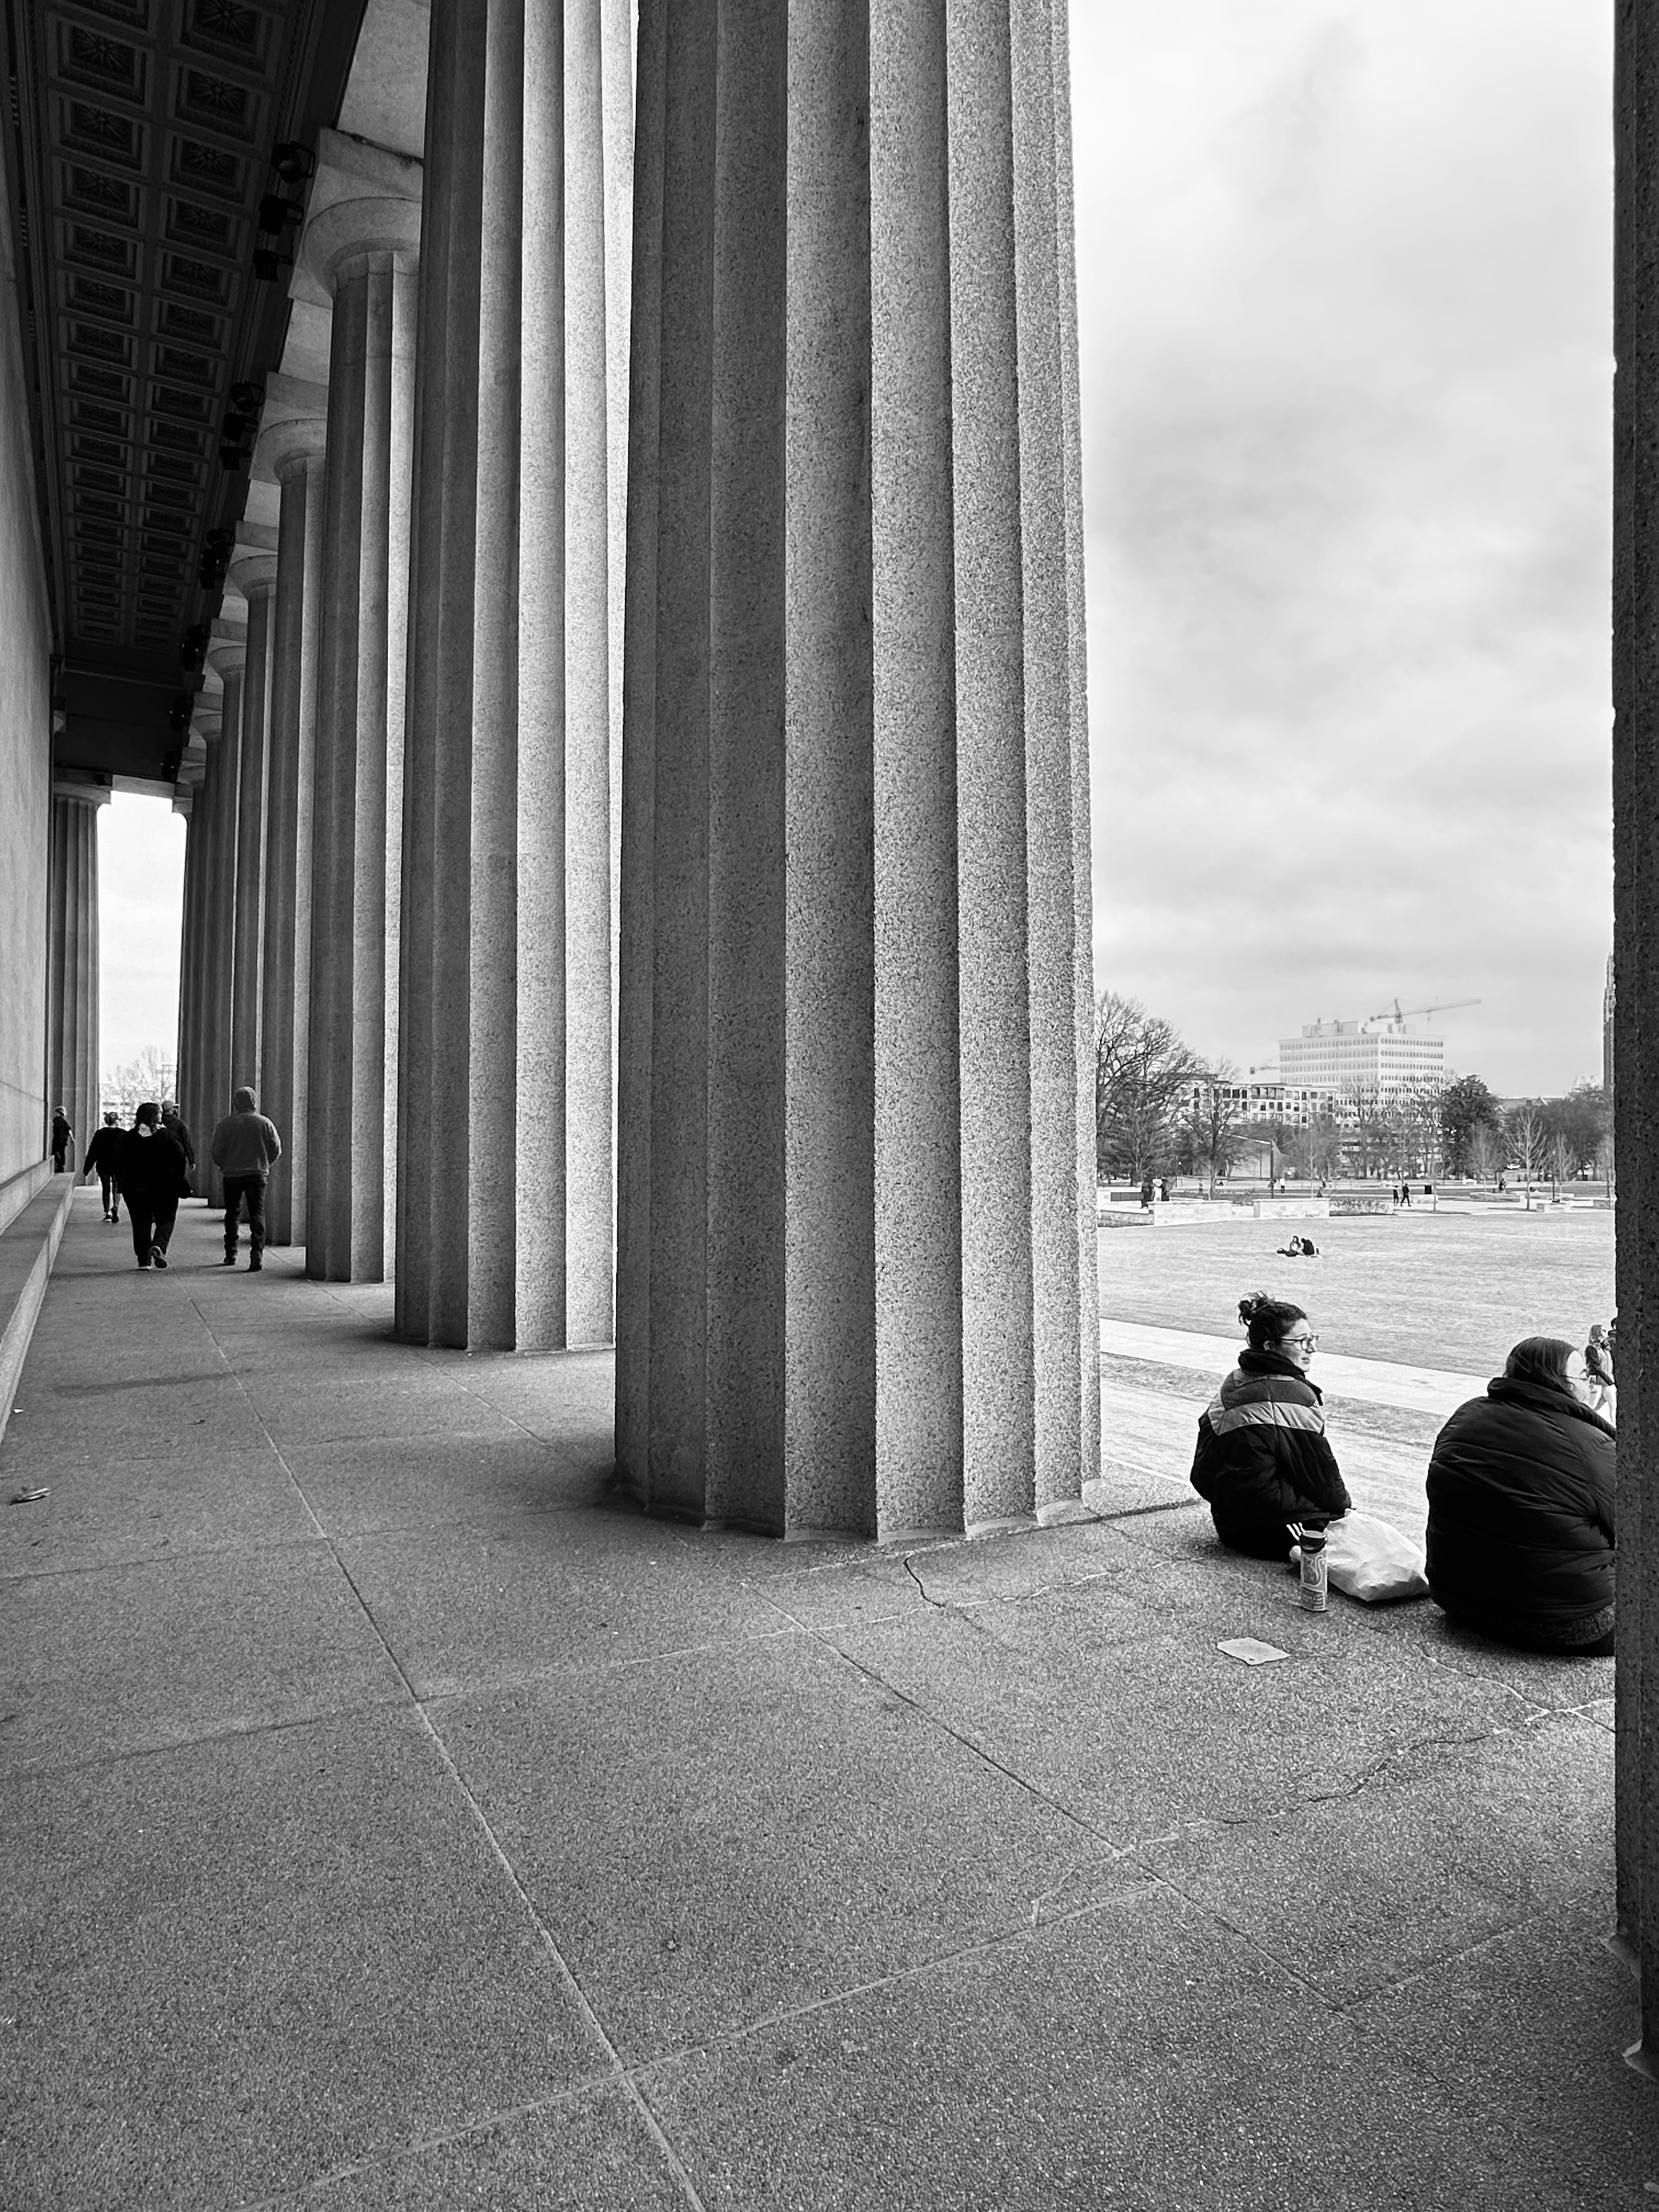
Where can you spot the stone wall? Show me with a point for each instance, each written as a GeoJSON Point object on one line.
{"type": "Point", "coordinates": [25, 755]}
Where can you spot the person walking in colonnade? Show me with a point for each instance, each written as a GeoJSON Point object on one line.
{"type": "Point", "coordinates": [62, 1138]}
{"type": "Point", "coordinates": [151, 1168]}
{"type": "Point", "coordinates": [246, 1147]}
{"type": "Point", "coordinates": [102, 1155]}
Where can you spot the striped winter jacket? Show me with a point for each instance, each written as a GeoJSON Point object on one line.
{"type": "Point", "coordinates": [1262, 1461]}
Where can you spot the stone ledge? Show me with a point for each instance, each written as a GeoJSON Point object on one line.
{"type": "Point", "coordinates": [27, 1248]}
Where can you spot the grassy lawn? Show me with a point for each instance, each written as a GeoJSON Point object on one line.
{"type": "Point", "coordinates": [1452, 1291]}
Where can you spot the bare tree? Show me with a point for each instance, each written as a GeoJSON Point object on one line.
{"type": "Point", "coordinates": [1524, 1133]}
{"type": "Point", "coordinates": [149, 1075]}
{"type": "Point", "coordinates": [1563, 1160]}
{"type": "Point", "coordinates": [1142, 1072]}
{"type": "Point", "coordinates": [1215, 1120]}
{"type": "Point", "coordinates": [1483, 1150]}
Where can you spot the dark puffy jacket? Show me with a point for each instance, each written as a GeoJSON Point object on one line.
{"type": "Point", "coordinates": [105, 1151]}
{"type": "Point", "coordinates": [1521, 1492]}
{"type": "Point", "coordinates": [1262, 1461]}
{"type": "Point", "coordinates": [150, 1167]}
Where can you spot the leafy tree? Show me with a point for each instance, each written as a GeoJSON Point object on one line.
{"type": "Point", "coordinates": [1466, 1106]}
{"type": "Point", "coordinates": [1142, 1073]}
{"type": "Point", "coordinates": [1580, 1121]}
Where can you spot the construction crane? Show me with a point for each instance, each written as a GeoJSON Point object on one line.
{"type": "Point", "coordinates": [1395, 1014]}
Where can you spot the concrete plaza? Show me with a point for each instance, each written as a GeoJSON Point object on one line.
{"type": "Point", "coordinates": [390, 1818]}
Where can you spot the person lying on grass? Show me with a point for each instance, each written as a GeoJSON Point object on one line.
{"type": "Point", "coordinates": [1262, 1461]}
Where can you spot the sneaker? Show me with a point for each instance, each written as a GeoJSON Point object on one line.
{"type": "Point", "coordinates": [229, 1259]}
{"type": "Point", "coordinates": [143, 1263]}
{"type": "Point", "coordinates": [159, 1257]}
{"type": "Point", "coordinates": [256, 1266]}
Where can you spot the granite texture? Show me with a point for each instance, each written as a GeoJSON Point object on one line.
{"type": "Point", "coordinates": [292, 448]}
{"type": "Point", "coordinates": [391, 1818]}
{"type": "Point", "coordinates": [366, 249]}
{"type": "Point", "coordinates": [72, 1064]}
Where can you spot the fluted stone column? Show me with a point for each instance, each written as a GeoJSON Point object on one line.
{"type": "Point", "coordinates": [293, 449]}
{"type": "Point", "coordinates": [857, 1284]}
{"type": "Point", "coordinates": [72, 960]}
{"type": "Point", "coordinates": [1636, 954]}
{"type": "Point", "coordinates": [365, 250]}
{"type": "Point", "coordinates": [192, 1074]}
{"type": "Point", "coordinates": [223, 784]}
{"type": "Point", "coordinates": [254, 575]}
{"type": "Point", "coordinates": [509, 828]}
{"type": "Point", "coordinates": [185, 799]}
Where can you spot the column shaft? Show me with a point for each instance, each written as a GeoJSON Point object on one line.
{"type": "Point", "coordinates": [1636, 951]}
{"type": "Point", "coordinates": [856, 1292]}
{"type": "Point", "coordinates": [285, 1018]}
{"type": "Point", "coordinates": [507, 991]}
{"type": "Point", "coordinates": [358, 755]}
{"type": "Point", "coordinates": [255, 577]}
{"type": "Point", "coordinates": [225, 770]}
{"type": "Point", "coordinates": [72, 966]}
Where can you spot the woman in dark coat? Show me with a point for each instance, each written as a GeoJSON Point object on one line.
{"type": "Point", "coordinates": [1521, 1487]}
{"type": "Point", "coordinates": [1262, 1461]}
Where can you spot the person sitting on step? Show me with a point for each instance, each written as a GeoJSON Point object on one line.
{"type": "Point", "coordinates": [1263, 1460]}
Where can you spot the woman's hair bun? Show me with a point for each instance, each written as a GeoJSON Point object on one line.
{"type": "Point", "coordinates": [1250, 1305]}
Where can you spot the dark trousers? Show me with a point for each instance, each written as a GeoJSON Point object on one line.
{"type": "Point", "coordinates": [111, 1189]}
{"type": "Point", "coordinates": [151, 1217]}
{"type": "Point", "coordinates": [59, 1153]}
{"type": "Point", "coordinates": [253, 1189]}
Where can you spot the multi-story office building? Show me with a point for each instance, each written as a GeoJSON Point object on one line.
{"type": "Point", "coordinates": [1296, 1104]}
{"type": "Point", "coordinates": [1378, 1059]}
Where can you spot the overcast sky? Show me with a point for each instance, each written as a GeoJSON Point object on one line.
{"type": "Point", "coordinates": [1344, 273]}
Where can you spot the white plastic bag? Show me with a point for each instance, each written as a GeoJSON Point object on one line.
{"type": "Point", "coordinates": [1371, 1561]}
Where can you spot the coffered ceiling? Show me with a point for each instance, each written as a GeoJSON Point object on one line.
{"type": "Point", "coordinates": [140, 149]}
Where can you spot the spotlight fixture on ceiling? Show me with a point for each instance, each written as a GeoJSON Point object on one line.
{"type": "Point", "coordinates": [241, 426]}
{"type": "Point", "coordinates": [292, 164]}
{"type": "Point", "coordinates": [217, 550]}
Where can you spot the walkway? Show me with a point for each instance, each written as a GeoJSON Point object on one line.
{"type": "Point", "coordinates": [390, 1820]}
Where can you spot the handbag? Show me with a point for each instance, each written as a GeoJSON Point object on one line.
{"type": "Point", "coordinates": [1371, 1560]}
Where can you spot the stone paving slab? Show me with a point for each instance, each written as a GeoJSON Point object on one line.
{"type": "Point", "coordinates": [354, 1486]}
{"type": "Point", "coordinates": [735, 1830]}
{"type": "Point", "coordinates": [240, 1964]}
{"type": "Point", "coordinates": [590, 2152]}
{"type": "Point", "coordinates": [1139, 2056]}
{"type": "Point", "coordinates": [137, 1658]}
{"type": "Point", "coordinates": [477, 1842]}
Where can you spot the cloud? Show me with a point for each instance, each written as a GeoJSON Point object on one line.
{"type": "Point", "coordinates": [1345, 286]}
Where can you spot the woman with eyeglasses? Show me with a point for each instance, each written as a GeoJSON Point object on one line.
{"type": "Point", "coordinates": [1521, 1493]}
{"type": "Point", "coordinates": [1262, 1461]}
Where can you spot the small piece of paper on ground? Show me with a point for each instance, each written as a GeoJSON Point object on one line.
{"type": "Point", "coordinates": [1251, 1649]}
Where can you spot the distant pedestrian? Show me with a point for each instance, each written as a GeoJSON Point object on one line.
{"type": "Point", "coordinates": [103, 1159]}
{"type": "Point", "coordinates": [1145, 1190]}
{"type": "Point", "coordinates": [1164, 1188]}
{"type": "Point", "coordinates": [246, 1147]}
{"type": "Point", "coordinates": [1404, 1193]}
{"type": "Point", "coordinates": [173, 1124]}
{"type": "Point", "coordinates": [151, 1167]}
{"type": "Point", "coordinates": [62, 1138]}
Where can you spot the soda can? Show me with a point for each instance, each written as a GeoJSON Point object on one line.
{"type": "Point", "coordinates": [1313, 1594]}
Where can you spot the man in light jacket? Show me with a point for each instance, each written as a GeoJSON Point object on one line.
{"type": "Point", "coordinates": [245, 1149]}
